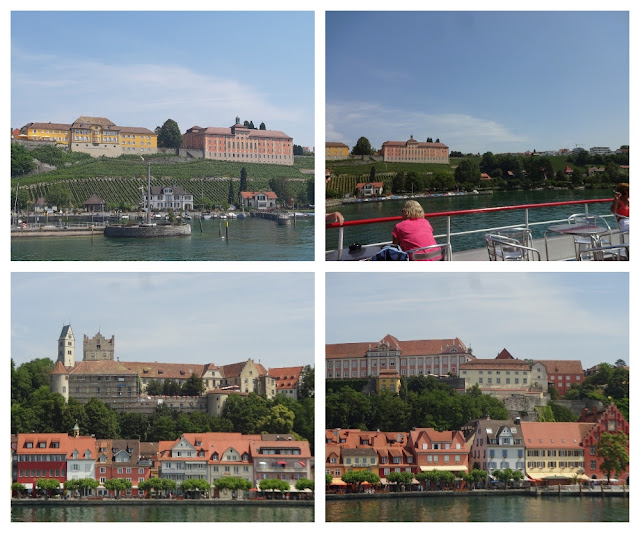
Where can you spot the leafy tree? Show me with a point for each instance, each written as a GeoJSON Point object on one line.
{"type": "Point", "coordinates": [620, 362]}
{"type": "Point", "coordinates": [346, 409]}
{"type": "Point", "coordinates": [19, 489]}
{"type": "Point", "coordinates": [87, 484]}
{"type": "Point", "coordinates": [328, 478]}
{"type": "Point", "coordinates": [22, 202]}
{"type": "Point", "coordinates": [153, 484]}
{"type": "Point", "coordinates": [194, 386]}
{"type": "Point", "coordinates": [21, 160]}
{"type": "Point", "coordinates": [398, 183]}
{"type": "Point", "coordinates": [388, 412]}
{"type": "Point", "coordinates": [169, 135]}
{"type": "Point", "coordinates": [48, 409]}
{"type": "Point", "coordinates": [278, 420]}
{"type": "Point", "coordinates": [372, 175]}
{"type": "Point", "coordinates": [274, 484]}
{"type": "Point", "coordinates": [562, 413]}
{"type": "Point", "coordinates": [29, 377]}
{"type": "Point", "coordinates": [59, 195]}
{"type": "Point", "coordinates": [74, 413]}
{"type": "Point", "coordinates": [243, 179]}
{"type": "Point", "coordinates": [154, 388]}
{"type": "Point", "coordinates": [47, 486]}
{"type": "Point", "coordinates": [102, 421]}
{"type": "Point", "coordinates": [358, 477]}
{"type": "Point", "coordinates": [304, 483]}
{"type": "Point", "coordinates": [192, 485]}
{"type": "Point", "coordinates": [467, 173]}
{"type": "Point", "coordinates": [232, 483]}
{"type": "Point", "coordinates": [163, 427]}
{"type": "Point", "coordinates": [133, 425]}
{"type": "Point", "coordinates": [306, 383]}
{"type": "Point", "coordinates": [507, 475]}
{"type": "Point", "coordinates": [281, 187]}
{"type": "Point", "coordinates": [117, 485]}
{"type": "Point", "coordinates": [362, 147]}
{"type": "Point", "coordinates": [402, 479]}
{"type": "Point", "coordinates": [168, 484]}
{"type": "Point", "coordinates": [244, 412]}
{"type": "Point", "coordinates": [171, 387]}
{"type": "Point", "coordinates": [613, 448]}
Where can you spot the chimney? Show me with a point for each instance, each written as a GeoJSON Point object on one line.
{"type": "Point", "coordinates": [517, 421]}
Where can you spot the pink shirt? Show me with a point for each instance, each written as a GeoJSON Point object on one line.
{"type": "Point", "coordinates": [414, 233]}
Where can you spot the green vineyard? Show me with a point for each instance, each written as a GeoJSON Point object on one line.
{"type": "Point", "coordinates": [121, 180]}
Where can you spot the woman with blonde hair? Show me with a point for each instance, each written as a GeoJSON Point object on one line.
{"type": "Point", "coordinates": [414, 231]}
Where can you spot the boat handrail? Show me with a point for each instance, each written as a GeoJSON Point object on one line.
{"type": "Point", "coordinates": [485, 210]}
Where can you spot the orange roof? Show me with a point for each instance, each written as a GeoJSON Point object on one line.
{"type": "Point", "coordinates": [554, 434]}
{"type": "Point", "coordinates": [59, 369]}
{"type": "Point", "coordinates": [559, 366]}
{"type": "Point", "coordinates": [286, 377]}
{"type": "Point", "coordinates": [418, 347]}
{"type": "Point", "coordinates": [101, 367]}
{"type": "Point", "coordinates": [482, 364]}
{"type": "Point", "coordinates": [268, 194]}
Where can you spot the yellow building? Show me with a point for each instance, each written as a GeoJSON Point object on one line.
{"type": "Point", "coordinates": [96, 136]}
{"type": "Point", "coordinates": [388, 380]}
{"type": "Point", "coordinates": [336, 150]}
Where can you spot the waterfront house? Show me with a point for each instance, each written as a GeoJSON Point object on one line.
{"type": "Point", "coordinates": [336, 150]}
{"type": "Point", "coordinates": [554, 451]}
{"type": "Point", "coordinates": [121, 459]}
{"type": "Point", "coordinates": [168, 197]}
{"type": "Point", "coordinates": [610, 420]}
{"type": "Point", "coordinates": [185, 458]}
{"type": "Point", "coordinates": [496, 445]}
{"type": "Point", "coordinates": [281, 457]}
{"type": "Point", "coordinates": [94, 204]}
{"type": "Point", "coordinates": [239, 143]}
{"type": "Point", "coordinates": [408, 358]}
{"type": "Point", "coordinates": [259, 200]}
{"type": "Point", "coordinates": [54, 456]}
{"type": "Point", "coordinates": [563, 374]}
{"type": "Point", "coordinates": [370, 189]}
{"type": "Point", "coordinates": [439, 450]}
{"type": "Point", "coordinates": [229, 456]}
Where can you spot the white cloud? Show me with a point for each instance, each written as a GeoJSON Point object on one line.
{"type": "Point", "coordinates": [347, 121]}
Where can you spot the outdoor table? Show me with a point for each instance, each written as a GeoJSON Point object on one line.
{"type": "Point", "coordinates": [361, 254]}
{"type": "Point", "coordinates": [580, 230]}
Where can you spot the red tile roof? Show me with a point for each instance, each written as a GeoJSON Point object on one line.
{"type": "Point", "coordinates": [417, 347]}
{"type": "Point", "coordinates": [559, 435]}
{"type": "Point", "coordinates": [561, 366]}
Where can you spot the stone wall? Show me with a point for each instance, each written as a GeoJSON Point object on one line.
{"type": "Point", "coordinates": [147, 231]}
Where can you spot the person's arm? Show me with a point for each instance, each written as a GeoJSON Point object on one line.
{"type": "Point", "coordinates": [616, 203]}
{"type": "Point", "coordinates": [334, 217]}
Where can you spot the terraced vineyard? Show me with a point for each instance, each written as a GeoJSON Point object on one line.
{"type": "Point", "coordinates": [344, 184]}
{"type": "Point", "coordinates": [119, 180]}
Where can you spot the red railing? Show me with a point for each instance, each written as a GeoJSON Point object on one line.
{"type": "Point", "coordinates": [449, 214]}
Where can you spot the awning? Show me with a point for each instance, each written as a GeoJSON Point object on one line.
{"type": "Point", "coordinates": [337, 481]}
{"type": "Point", "coordinates": [302, 463]}
{"type": "Point", "coordinates": [282, 462]}
{"type": "Point", "coordinates": [450, 468]}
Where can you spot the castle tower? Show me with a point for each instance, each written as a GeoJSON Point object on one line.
{"type": "Point", "coordinates": [67, 347]}
{"type": "Point", "coordinates": [59, 380]}
{"type": "Point", "coordinates": [98, 348]}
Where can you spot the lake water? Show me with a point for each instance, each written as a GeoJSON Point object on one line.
{"type": "Point", "coordinates": [481, 509]}
{"type": "Point", "coordinates": [373, 233]}
{"type": "Point", "coordinates": [162, 513]}
{"type": "Point", "coordinates": [250, 239]}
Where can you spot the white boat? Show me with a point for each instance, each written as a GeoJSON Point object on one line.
{"type": "Point", "coordinates": [232, 215]}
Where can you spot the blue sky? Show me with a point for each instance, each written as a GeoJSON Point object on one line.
{"type": "Point", "coordinates": [479, 81]}
{"type": "Point", "coordinates": [545, 315]}
{"type": "Point", "coordinates": [141, 68]}
{"type": "Point", "coordinates": [218, 318]}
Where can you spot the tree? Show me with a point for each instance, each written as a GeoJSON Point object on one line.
{"type": "Point", "coordinates": [22, 202]}
{"type": "Point", "coordinates": [153, 484]}
{"type": "Point", "coordinates": [47, 486]}
{"type": "Point", "coordinates": [278, 420]}
{"type": "Point", "coordinates": [245, 412]}
{"type": "Point", "coordinates": [358, 477]}
{"type": "Point", "coordinates": [613, 448]}
{"type": "Point", "coordinates": [362, 147]}
{"type": "Point", "coordinates": [306, 383]}
{"type": "Point", "coordinates": [194, 386]}
{"type": "Point", "coordinates": [231, 197]}
{"type": "Point", "coordinates": [19, 489]}
{"type": "Point", "coordinates": [21, 160]}
{"type": "Point", "coordinates": [117, 485]}
{"type": "Point", "coordinates": [102, 421]}
{"type": "Point", "coordinates": [274, 484]}
{"type": "Point", "coordinates": [304, 483]}
{"type": "Point", "coordinates": [154, 388]}
{"type": "Point", "coordinates": [168, 484]}
{"type": "Point", "coordinates": [87, 484]}
{"type": "Point", "coordinates": [620, 362]}
{"type": "Point", "coordinates": [328, 478]}
{"type": "Point", "coordinates": [171, 387]}
{"type": "Point", "coordinates": [195, 485]}
{"type": "Point", "coordinates": [60, 196]}
{"type": "Point", "coordinates": [467, 173]}
{"type": "Point", "coordinates": [372, 174]}
{"type": "Point", "coordinates": [282, 189]}
{"type": "Point", "coordinates": [170, 136]}
{"type": "Point", "coordinates": [243, 179]}
{"type": "Point", "coordinates": [398, 183]}
{"type": "Point", "coordinates": [402, 479]}
{"type": "Point", "coordinates": [232, 483]}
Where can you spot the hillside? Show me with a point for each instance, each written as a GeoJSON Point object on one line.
{"type": "Point", "coordinates": [119, 180]}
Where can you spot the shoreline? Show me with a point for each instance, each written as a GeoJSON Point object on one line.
{"type": "Point", "coordinates": [30, 502]}
{"type": "Point", "coordinates": [36, 233]}
{"type": "Point", "coordinates": [482, 493]}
